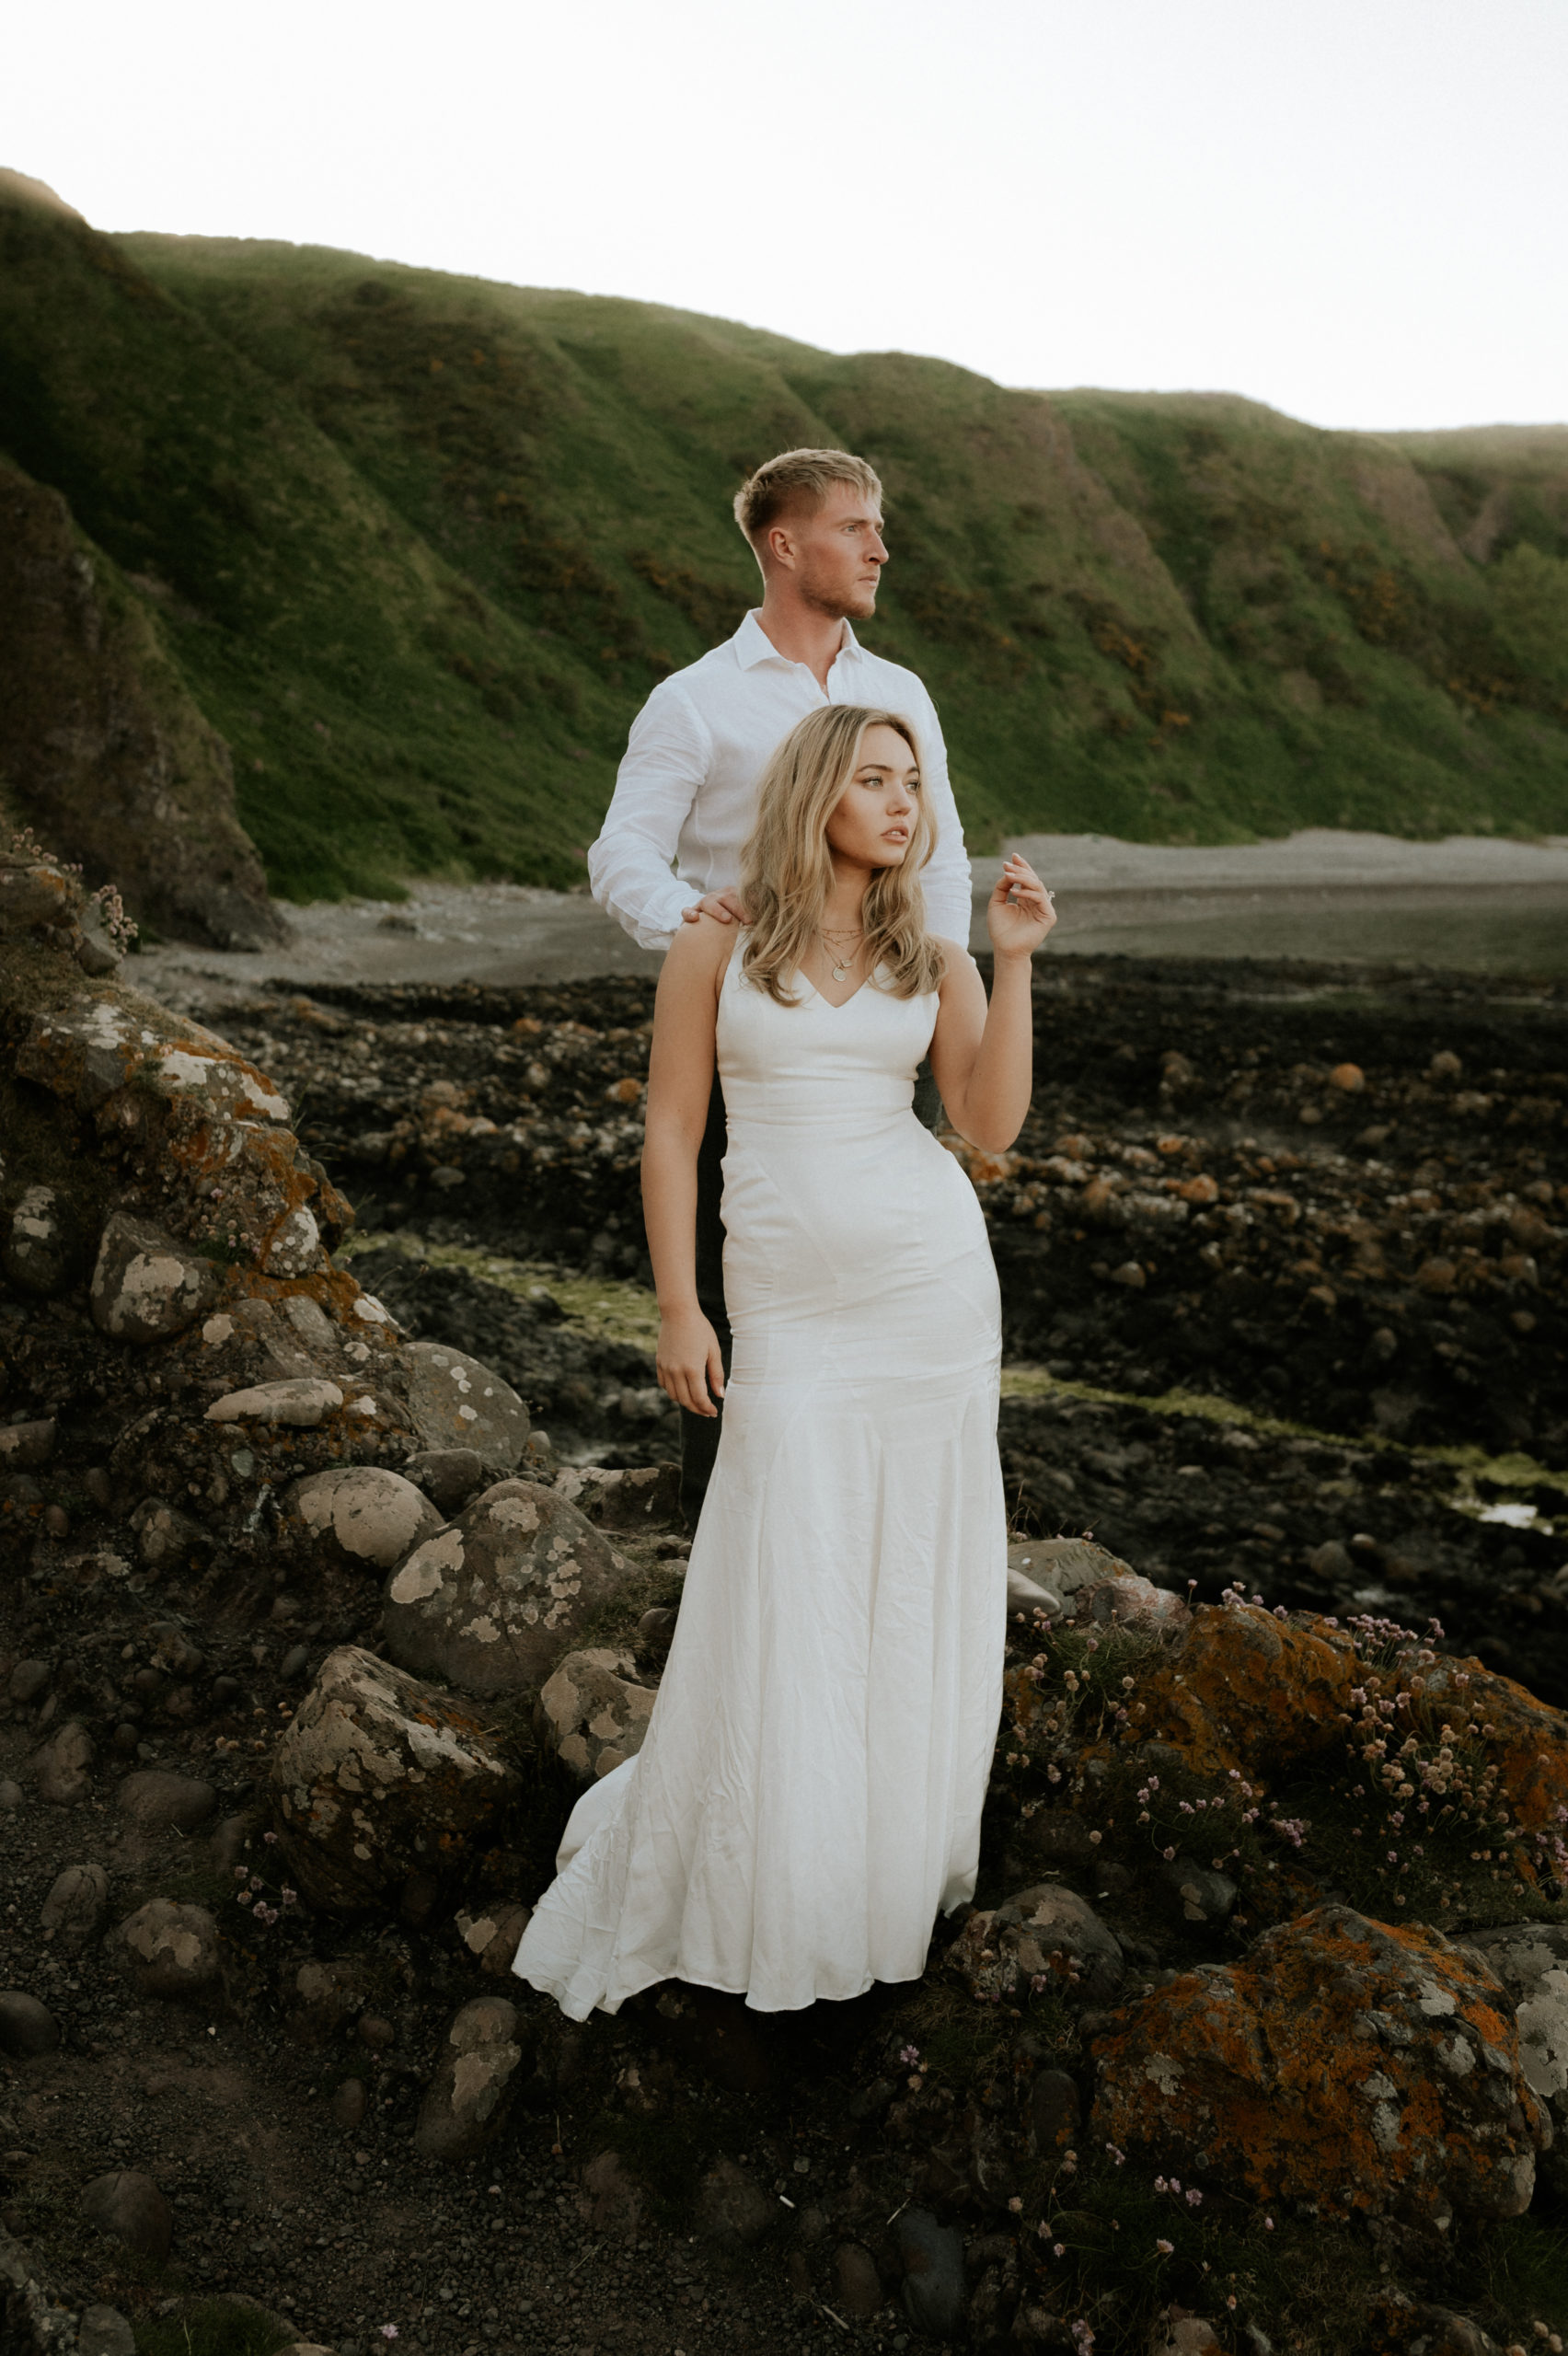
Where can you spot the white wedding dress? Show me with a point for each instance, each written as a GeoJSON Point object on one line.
{"type": "Point", "coordinates": [809, 1790]}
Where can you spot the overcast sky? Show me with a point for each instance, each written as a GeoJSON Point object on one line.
{"type": "Point", "coordinates": [1355, 210]}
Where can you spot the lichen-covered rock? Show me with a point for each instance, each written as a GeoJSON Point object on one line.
{"type": "Point", "coordinates": [1531, 1960]}
{"type": "Point", "coordinates": [366, 1514]}
{"type": "Point", "coordinates": [458, 1403]}
{"type": "Point", "coordinates": [595, 1711]}
{"type": "Point", "coordinates": [1046, 1935]}
{"type": "Point", "coordinates": [166, 1949]}
{"type": "Point", "coordinates": [24, 1446]}
{"type": "Point", "coordinates": [146, 1287]}
{"type": "Point", "coordinates": [377, 1776]}
{"type": "Point", "coordinates": [492, 1936]}
{"type": "Point", "coordinates": [40, 1245]}
{"type": "Point", "coordinates": [1128, 1601]}
{"type": "Point", "coordinates": [491, 1603]}
{"type": "Point", "coordinates": [301, 1402]}
{"type": "Point", "coordinates": [640, 1496]}
{"type": "Point", "coordinates": [167, 1539]}
{"type": "Point", "coordinates": [1365, 2067]}
{"type": "Point", "coordinates": [477, 2073]}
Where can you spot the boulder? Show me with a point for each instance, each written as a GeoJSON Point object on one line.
{"type": "Point", "coordinates": [301, 1402]}
{"type": "Point", "coordinates": [456, 1403]}
{"type": "Point", "coordinates": [491, 1603]}
{"type": "Point", "coordinates": [934, 2288]}
{"type": "Point", "coordinates": [156, 1797]}
{"type": "Point", "coordinates": [364, 1514]}
{"type": "Point", "coordinates": [595, 1711]}
{"type": "Point", "coordinates": [129, 2208]}
{"type": "Point", "coordinates": [27, 2027]}
{"type": "Point", "coordinates": [40, 1243]}
{"type": "Point", "coordinates": [1045, 1932]}
{"type": "Point", "coordinates": [166, 1949]}
{"type": "Point", "coordinates": [1367, 2067]}
{"type": "Point", "coordinates": [377, 1776]}
{"type": "Point", "coordinates": [492, 1938]}
{"type": "Point", "coordinates": [63, 1767]}
{"type": "Point", "coordinates": [477, 2073]}
{"type": "Point", "coordinates": [146, 1287]}
{"type": "Point", "coordinates": [1059, 1567]}
{"type": "Point", "coordinates": [76, 1906]}
{"type": "Point", "coordinates": [1531, 1960]}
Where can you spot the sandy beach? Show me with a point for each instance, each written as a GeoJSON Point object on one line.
{"type": "Point", "coordinates": [1469, 901]}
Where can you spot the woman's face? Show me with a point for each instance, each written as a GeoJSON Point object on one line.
{"type": "Point", "coordinates": [872, 824]}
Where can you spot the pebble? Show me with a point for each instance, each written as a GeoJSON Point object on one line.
{"type": "Point", "coordinates": [477, 2073]}
{"type": "Point", "coordinates": [855, 2281]}
{"type": "Point", "coordinates": [24, 1446]}
{"type": "Point", "coordinates": [104, 2331]}
{"type": "Point", "coordinates": [28, 1680]}
{"type": "Point", "coordinates": [27, 2027]}
{"type": "Point", "coordinates": [349, 2101]}
{"type": "Point", "coordinates": [733, 2211]}
{"type": "Point", "coordinates": [11, 1794]}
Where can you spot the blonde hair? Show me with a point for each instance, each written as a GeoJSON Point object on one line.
{"type": "Point", "coordinates": [798, 477]}
{"type": "Point", "coordinates": [787, 868]}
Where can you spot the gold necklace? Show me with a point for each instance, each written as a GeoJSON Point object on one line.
{"type": "Point", "coordinates": [839, 965]}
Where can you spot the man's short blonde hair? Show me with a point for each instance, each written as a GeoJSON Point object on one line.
{"type": "Point", "coordinates": [798, 477]}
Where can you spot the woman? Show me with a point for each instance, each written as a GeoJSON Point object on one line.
{"type": "Point", "coordinates": [809, 1786]}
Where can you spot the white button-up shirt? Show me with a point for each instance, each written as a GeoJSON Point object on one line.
{"type": "Point", "coordinates": [687, 789]}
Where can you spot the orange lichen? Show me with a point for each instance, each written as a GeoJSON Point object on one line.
{"type": "Point", "coordinates": [1355, 2065]}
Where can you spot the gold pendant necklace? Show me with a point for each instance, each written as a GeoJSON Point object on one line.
{"type": "Point", "coordinates": [839, 965]}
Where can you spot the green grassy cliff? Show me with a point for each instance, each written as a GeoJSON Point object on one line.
{"type": "Point", "coordinates": [421, 545]}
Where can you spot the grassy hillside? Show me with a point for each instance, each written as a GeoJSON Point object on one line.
{"type": "Point", "coordinates": [422, 544]}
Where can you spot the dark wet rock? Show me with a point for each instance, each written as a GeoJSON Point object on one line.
{"type": "Point", "coordinates": [493, 1600]}
{"type": "Point", "coordinates": [153, 1796]}
{"type": "Point", "coordinates": [27, 2026]}
{"type": "Point", "coordinates": [63, 1770]}
{"type": "Point", "coordinates": [480, 2070]}
{"type": "Point", "coordinates": [732, 2212]}
{"type": "Point", "coordinates": [935, 2291]}
{"type": "Point", "coordinates": [856, 2285]}
{"type": "Point", "coordinates": [378, 1776]}
{"type": "Point", "coordinates": [78, 1905]}
{"type": "Point", "coordinates": [127, 2207]}
{"type": "Point", "coordinates": [448, 1476]}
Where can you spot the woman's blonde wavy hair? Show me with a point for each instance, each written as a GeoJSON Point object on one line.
{"type": "Point", "coordinates": [787, 868]}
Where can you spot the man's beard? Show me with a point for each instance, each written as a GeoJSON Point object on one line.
{"type": "Point", "coordinates": [839, 605]}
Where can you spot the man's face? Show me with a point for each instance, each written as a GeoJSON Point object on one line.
{"type": "Point", "coordinates": [835, 555]}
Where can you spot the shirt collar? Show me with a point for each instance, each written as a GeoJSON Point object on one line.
{"type": "Point", "coordinates": [753, 645]}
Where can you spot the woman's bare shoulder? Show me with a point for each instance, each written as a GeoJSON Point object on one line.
{"type": "Point", "coordinates": [700, 952]}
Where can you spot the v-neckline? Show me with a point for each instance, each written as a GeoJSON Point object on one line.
{"type": "Point", "coordinates": [837, 1004]}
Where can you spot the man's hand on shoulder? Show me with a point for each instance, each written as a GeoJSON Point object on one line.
{"type": "Point", "coordinates": [727, 907]}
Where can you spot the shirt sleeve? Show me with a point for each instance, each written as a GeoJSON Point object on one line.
{"type": "Point", "coordinates": [949, 887]}
{"type": "Point", "coordinates": [630, 866]}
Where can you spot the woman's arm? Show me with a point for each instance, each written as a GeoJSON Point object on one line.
{"type": "Point", "coordinates": [982, 1057]}
{"type": "Point", "coordinates": [680, 1082]}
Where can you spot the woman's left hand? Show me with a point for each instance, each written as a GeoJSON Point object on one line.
{"type": "Point", "coordinates": [1019, 912]}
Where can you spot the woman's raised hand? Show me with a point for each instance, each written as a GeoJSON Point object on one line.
{"type": "Point", "coordinates": [1020, 911]}
{"type": "Point", "coordinates": [688, 1363]}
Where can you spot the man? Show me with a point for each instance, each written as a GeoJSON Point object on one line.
{"type": "Point", "coordinates": [685, 796]}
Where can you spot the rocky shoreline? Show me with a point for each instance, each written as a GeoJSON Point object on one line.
{"type": "Point", "coordinates": [332, 1558]}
